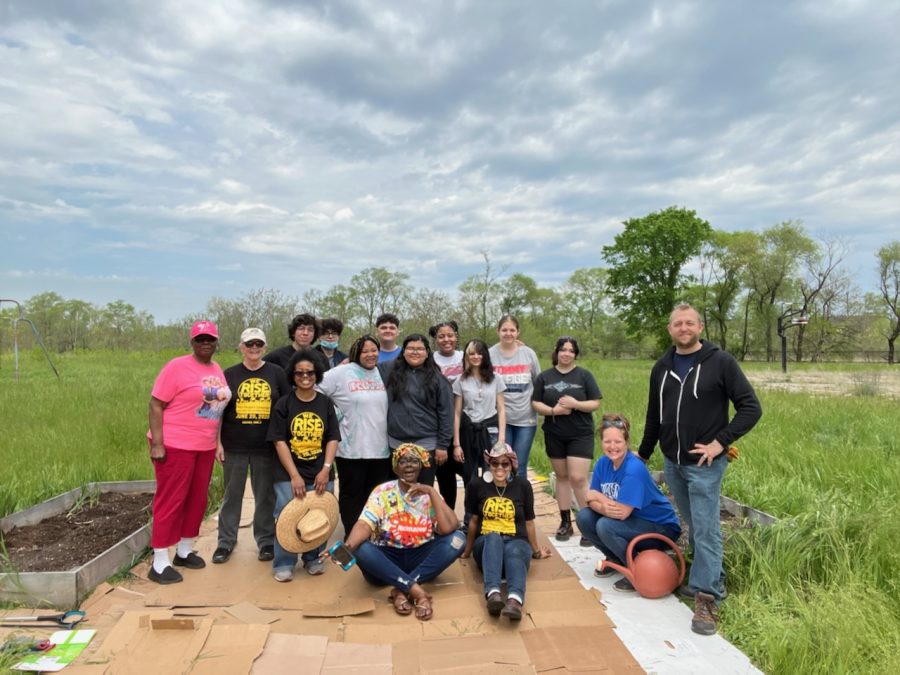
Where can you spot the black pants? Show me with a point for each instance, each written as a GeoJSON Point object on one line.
{"type": "Point", "coordinates": [446, 479]}
{"type": "Point", "coordinates": [356, 480]}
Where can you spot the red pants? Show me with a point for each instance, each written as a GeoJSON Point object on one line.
{"type": "Point", "coordinates": [182, 483]}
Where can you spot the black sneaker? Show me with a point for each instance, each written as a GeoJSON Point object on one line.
{"type": "Point", "coordinates": [192, 561]}
{"type": "Point", "coordinates": [168, 576]}
{"type": "Point", "coordinates": [606, 571]}
{"type": "Point", "coordinates": [624, 585]}
{"type": "Point", "coordinates": [221, 555]}
{"type": "Point", "coordinates": [706, 615]}
{"type": "Point", "coordinates": [266, 553]}
{"type": "Point", "coordinates": [584, 541]}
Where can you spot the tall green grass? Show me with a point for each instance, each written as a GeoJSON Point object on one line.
{"type": "Point", "coordinates": [89, 425]}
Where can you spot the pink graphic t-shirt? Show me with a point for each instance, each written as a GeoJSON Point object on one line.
{"type": "Point", "coordinates": [196, 395]}
{"type": "Point", "coordinates": [398, 520]}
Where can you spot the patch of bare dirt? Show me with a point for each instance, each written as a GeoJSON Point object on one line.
{"type": "Point", "coordinates": [69, 540]}
{"type": "Point", "coordinates": [884, 382]}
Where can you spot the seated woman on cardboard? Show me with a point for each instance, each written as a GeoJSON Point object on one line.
{"type": "Point", "coordinates": [406, 534]}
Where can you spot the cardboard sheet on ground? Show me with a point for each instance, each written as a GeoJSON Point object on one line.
{"type": "Point", "coordinates": [578, 649]}
{"type": "Point", "coordinates": [250, 613]}
{"type": "Point", "coordinates": [230, 649]}
{"type": "Point", "coordinates": [150, 651]}
{"type": "Point", "coordinates": [340, 607]}
{"type": "Point", "coordinates": [347, 657]}
{"type": "Point", "coordinates": [281, 651]}
{"type": "Point", "coordinates": [466, 654]}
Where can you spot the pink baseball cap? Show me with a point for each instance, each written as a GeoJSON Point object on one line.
{"type": "Point", "coordinates": [204, 328]}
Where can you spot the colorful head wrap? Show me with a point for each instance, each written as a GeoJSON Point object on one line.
{"type": "Point", "coordinates": [501, 450]}
{"type": "Point", "coordinates": [416, 451]}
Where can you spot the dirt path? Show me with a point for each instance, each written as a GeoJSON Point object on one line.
{"type": "Point", "coordinates": [884, 383]}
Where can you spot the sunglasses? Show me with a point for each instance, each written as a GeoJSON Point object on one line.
{"type": "Point", "coordinates": [203, 339]}
{"type": "Point", "coordinates": [503, 465]}
{"type": "Point", "coordinates": [618, 424]}
{"type": "Point", "coordinates": [408, 461]}
{"type": "Point", "coordinates": [255, 344]}
{"type": "Point", "coordinates": [304, 373]}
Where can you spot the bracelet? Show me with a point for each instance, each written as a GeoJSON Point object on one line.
{"type": "Point", "coordinates": [327, 465]}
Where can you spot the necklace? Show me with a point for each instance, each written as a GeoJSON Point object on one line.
{"type": "Point", "coordinates": [500, 492]}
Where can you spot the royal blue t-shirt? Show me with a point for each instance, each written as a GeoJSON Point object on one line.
{"type": "Point", "coordinates": [631, 484]}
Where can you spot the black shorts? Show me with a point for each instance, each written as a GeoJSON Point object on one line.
{"type": "Point", "coordinates": [560, 448]}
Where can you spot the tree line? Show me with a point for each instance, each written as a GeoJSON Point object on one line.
{"type": "Point", "coordinates": [742, 282]}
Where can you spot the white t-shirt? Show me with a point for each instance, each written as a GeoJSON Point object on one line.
{"type": "Point", "coordinates": [361, 403]}
{"type": "Point", "coordinates": [479, 398]}
{"type": "Point", "coordinates": [451, 366]}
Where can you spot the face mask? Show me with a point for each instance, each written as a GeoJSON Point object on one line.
{"type": "Point", "coordinates": [328, 345]}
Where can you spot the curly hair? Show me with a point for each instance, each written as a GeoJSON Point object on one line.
{"type": "Point", "coordinates": [304, 320]}
{"type": "Point", "coordinates": [359, 343]}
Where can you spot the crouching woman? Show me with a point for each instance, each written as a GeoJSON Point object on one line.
{"type": "Point", "coordinates": [501, 533]}
{"type": "Point", "coordinates": [406, 534]}
{"type": "Point", "coordinates": [623, 501]}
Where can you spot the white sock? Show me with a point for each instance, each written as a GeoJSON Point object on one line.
{"type": "Point", "coordinates": [514, 596]}
{"type": "Point", "coordinates": [184, 548]}
{"type": "Point", "coordinates": [161, 559]}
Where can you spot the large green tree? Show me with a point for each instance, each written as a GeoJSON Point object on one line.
{"type": "Point", "coordinates": [645, 267]}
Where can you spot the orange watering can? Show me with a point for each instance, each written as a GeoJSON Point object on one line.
{"type": "Point", "coordinates": [652, 573]}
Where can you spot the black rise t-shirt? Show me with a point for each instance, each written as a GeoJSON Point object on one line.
{"type": "Point", "coordinates": [253, 394]}
{"type": "Point", "coordinates": [306, 427]}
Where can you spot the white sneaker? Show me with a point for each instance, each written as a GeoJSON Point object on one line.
{"type": "Point", "coordinates": [284, 575]}
{"type": "Point", "coordinates": [314, 567]}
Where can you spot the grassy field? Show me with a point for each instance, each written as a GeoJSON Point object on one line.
{"type": "Point", "coordinates": [817, 592]}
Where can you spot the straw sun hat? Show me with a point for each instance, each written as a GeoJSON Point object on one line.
{"type": "Point", "coordinates": [305, 524]}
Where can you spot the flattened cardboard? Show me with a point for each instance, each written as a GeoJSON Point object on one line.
{"type": "Point", "coordinates": [280, 655]}
{"type": "Point", "coordinates": [472, 653]}
{"type": "Point", "coordinates": [578, 649]}
{"type": "Point", "coordinates": [594, 616]}
{"type": "Point", "coordinates": [231, 649]}
{"type": "Point", "coordinates": [341, 607]}
{"type": "Point", "coordinates": [250, 613]}
{"type": "Point", "coordinates": [375, 633]}
{"type": "Point", "coordinates": [150, 652]}
{"type": "Point", "coordinates": [173, 624]}
{"type": "Point", "coordinates": [123, 631]}
{"type": "Point", "coordinates": [347, 657]}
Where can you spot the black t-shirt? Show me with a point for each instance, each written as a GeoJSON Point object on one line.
{"type": "Point", "coordinates": [253, 393]}
{"type": "Point", "coordinates": [551, 385]}
{"type": "Point", "coordinates": [306, 427]}
{"type": "Point", "coordinates": [501, 510]}
{"type": "Point", "coordinates": [281, 356]}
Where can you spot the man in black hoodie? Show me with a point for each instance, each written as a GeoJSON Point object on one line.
{"type": "Point", "coordinates": [691, 387]}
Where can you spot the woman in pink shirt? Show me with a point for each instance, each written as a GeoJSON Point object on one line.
{"type": "Point", "coordinates": [186, 406]}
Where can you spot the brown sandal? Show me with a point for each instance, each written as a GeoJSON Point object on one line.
{"type": "Point", "coordinates": [400, 602]}
{"type": "Point", "coordinates": [424, 611]}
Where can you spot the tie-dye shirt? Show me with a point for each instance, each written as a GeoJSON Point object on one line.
{"type": "Point", "coordinates": [398, 520]}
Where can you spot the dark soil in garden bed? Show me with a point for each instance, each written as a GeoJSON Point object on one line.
{"type": "Point", "coordinates": [69, 540]}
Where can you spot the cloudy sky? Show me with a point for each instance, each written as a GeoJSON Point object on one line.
{"type": "Point", "coordinates": [164, 152]}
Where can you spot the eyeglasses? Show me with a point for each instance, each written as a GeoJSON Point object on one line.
{"type": "Point", "coordinates": [617, 423]}
{"type": "Point", "coordinates": [304, 373]}
{"type": "Point", "coordinates": [416, 350]}
{"type": "Point", "coordinates": [497, 464]}
{"type": "Point", "coordinates": [408, 461]}
{"type": "Point", "coordinates": [255, 344]}
{"type": "Point", "coordinates": [204, 339]}
{"type": "Point", "coordinates": [330, 333]}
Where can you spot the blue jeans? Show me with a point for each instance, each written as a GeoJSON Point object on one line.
{"type": "Point", "coordinates": [612, 536]}
{"type": "Point", "coordinates": [521, 438]}
{"type": "Point", "coordinates": [404, 567]}
{"type": "Point", "coordinates": [500, 555]}
{"type": "Point", "coordinates": [696, 490]}
{"type": "Point", "coordinates": [284, 493]}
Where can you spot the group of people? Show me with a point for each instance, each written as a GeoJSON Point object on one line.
{"type": "Point", "coordinates": [391, 419]}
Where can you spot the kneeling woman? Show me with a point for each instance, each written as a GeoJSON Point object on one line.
{"type": "Point", "coordinates": [501, 531]}
{"type": "Point", "coordinates": [406, 534]}
{"type": "Point", "coordinates": [623, 500]}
